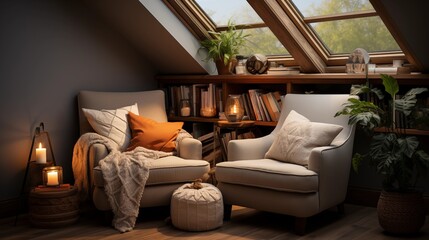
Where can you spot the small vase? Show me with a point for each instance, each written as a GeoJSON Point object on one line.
{"type": "Point", "coordinates": [401, 212]}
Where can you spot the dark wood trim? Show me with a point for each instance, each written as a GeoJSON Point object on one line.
{"type": "Point", "coordinates": [289, 35]}
{"type": "Point", "coordinates": [340, 16]}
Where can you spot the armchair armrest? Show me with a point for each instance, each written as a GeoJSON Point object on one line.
{"type": "Point", "coordinates": [253, 148]}
{"type": "Point", "coordinates": [190, 148]}
{"type": "Point", "coordinates": [332, 164]}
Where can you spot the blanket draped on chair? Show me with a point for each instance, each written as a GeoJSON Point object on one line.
{"type": "Point", "coordinates": [124, 174]}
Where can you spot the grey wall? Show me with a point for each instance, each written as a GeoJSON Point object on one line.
{"type": "Point", "coordinates": [49, 50]}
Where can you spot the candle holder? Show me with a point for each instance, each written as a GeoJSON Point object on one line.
{"type": "Point", "coordinates": [234, 111]}
{"type": "Point", "coordinates": [43, 139]}
{"type": "Point", "coordinates": [52, 176]}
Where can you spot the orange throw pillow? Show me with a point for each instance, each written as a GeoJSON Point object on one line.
{"type": "Point", "coordinates": [151, 134]}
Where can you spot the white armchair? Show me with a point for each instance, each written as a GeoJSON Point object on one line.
{"type": "Point", "coordinates": [166, 174]}
{"type": "Point", "coordinates": [249, 179]}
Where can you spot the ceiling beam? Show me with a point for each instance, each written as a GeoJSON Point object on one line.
{"type": "Point", "coordinates": [289, 35]}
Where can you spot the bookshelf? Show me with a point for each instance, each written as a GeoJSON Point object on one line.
{"type": "Point", "coordinates": [285, 84]}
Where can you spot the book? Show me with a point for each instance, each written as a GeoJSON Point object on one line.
{"type": "Point", "coordinates": [268, 106]}
{"type": "Point", "coordinates": [254, 102]}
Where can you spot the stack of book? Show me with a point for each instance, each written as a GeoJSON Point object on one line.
{"type": "Point", "coordinates": [199, 95]}
{"type": "Point", "coordinates": [262, 106]}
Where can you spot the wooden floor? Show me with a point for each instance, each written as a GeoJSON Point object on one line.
{"type": "Point", "coordinates": [357, 223]}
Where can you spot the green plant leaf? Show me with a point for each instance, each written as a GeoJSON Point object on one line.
{"type": "Point", "coordinates": [408, 145]}
{"type": "Point", "coordinates": [390, 85]}
{"type": "Point", "coordinates": [408, 102]}
{"type": "Point", "coordinates": [356, 161]}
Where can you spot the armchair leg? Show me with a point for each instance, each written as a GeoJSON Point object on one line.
{"type": "Point", "coordinates": [300, 224]}
{"type": "Point", "coordinates": [227, 209]}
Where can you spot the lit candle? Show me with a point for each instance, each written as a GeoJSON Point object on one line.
{"type": "Point", "coordinates": [52, 178]}
{"type": "Point", "coordinates": [234, 109]}
{"type": "Point", "coordinates": [185, 111]}
{"type": "Point", "coordinates": [40, 154]}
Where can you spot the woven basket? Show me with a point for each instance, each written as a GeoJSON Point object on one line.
{"type": "Point", "coordinates": [401, 213]}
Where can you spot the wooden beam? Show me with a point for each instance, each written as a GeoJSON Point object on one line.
{"type": "Point", "coordinates": [289, 35]}
{"type": "Point", "coordinates": [341, 16]}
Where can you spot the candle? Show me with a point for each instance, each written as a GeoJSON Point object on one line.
{"type": "Point", "coordinates": [52, 178]}
{"type": "Point", "coordinates": [185, 111]}
{"type": "Point", "coordinates": [40, 154]}
{"type": "Point", "coordinates": [234, 109]}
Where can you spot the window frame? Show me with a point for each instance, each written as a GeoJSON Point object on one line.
{"type": "Point", "coordinates": [317, 59]}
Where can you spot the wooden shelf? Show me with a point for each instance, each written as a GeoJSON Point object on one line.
{"type": "Point", "coordinates": [409, 131]}
{"type": "Point", "coordinates": [214, 120]}
{"type": "Point", "coordinates": [299, 83]}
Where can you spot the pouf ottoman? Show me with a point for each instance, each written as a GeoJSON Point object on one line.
{"type": "Point", "coordinates": [197, 207]}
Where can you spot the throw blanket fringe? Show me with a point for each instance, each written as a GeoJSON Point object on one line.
{"type": "Point", "coordinates": [124, 174]}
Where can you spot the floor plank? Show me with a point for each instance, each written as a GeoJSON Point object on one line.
{"type": "Point", "coordinates": [357, 223]}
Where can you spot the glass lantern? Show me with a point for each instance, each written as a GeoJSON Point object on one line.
{"type": "Point", "coordinates": [52, 176]}
{"type": "Point", "coordinates": [234, 111]}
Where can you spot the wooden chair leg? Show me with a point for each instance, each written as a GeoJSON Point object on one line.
{"type": "Point", "coordinates": [227, 209]}
{"type": "Point", "coordinates": [300, 224]}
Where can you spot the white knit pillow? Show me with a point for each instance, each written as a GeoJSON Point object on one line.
{"type": "Point", "coordinates": [112, 123]}
{"type": "Point", "coordinates": [298, 136]}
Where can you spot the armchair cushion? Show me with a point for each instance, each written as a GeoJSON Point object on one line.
{"type": "Point", "coordinates": [268, 173]}
{"type": "Point", "coordinates": [112, 124]}
{"type": "Point", "coordinates": [298, 136]}
{"type": "Point", "coordinates": [153, 135]}
{"type": "Point", "coordinates": [166, 170]}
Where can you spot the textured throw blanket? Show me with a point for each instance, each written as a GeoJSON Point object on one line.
{"type": "Point", "coordinates": [124, 173]}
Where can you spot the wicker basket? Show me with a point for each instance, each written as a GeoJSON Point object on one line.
{"type": "Point", "coordinates": [401, 213]}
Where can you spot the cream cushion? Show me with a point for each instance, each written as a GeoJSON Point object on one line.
{"type": "Point", "coordinates": [197, 209]}
{"type": "Point", "coordinates": [298, 136]}
{"type": "Point", "coordinates": [268, 174]}
{"type": "Point", "coordinates": [112, 123]}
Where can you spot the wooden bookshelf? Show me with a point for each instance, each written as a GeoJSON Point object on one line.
{"type": "Point", "coordinates": [299, 83]}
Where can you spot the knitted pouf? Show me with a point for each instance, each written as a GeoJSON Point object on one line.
{"type": "Point", "coordinates": [195, 209]}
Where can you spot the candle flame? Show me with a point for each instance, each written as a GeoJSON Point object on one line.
{"type": "Point", "coordinates": [40, 145]}
{"type": "Point", "coordinates": [234, 109]}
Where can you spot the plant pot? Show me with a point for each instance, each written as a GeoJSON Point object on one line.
{"type": "Point", "coordinates": [401, 212]}
{"type": "Point", "coordinates": [223, 69]}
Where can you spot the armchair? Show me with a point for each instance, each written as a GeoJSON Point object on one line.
{"type": "Point", "coordinates": [251, 180]}
{"type": "Point", "coordinates": [165, 174]}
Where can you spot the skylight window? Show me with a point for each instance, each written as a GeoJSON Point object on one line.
{"type": "Point", "coordinates": [312, 34]}
{"type": "Point", "coordinates": [343, 26]}
{"type": "Point", "coordinates": [260, 40]}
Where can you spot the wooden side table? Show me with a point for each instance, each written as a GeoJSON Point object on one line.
{"type": "Point", "coordinates": [53, 208]}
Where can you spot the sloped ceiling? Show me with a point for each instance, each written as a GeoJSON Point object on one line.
{"type": "Point", "coordinates": [146, 33]}
{"type": "Point", "coordinates": [170, 55]}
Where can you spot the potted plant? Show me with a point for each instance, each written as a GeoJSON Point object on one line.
{"type": "Point", "coordinates": [397, 156]}
{"type": "Point", "coordinates": [223, 47]}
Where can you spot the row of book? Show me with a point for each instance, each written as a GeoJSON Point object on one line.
{"type": "Point", "coordinates": [199, 95]}
{"type": "Point", "coordinates": [262, 106]}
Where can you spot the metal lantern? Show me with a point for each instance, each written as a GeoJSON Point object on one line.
{"type": "Point", "coordinates": [234, 110]}
{"type": "Point", "coordinates": [52, 176]}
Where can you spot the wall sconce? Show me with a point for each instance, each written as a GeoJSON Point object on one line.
{"type": "Point", "coordinates": [234, 111]}
{"type": "Point", "coordinates": [52, 176]}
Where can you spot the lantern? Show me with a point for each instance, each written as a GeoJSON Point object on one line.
{"type": "Point", "coordinates": [234, 111]}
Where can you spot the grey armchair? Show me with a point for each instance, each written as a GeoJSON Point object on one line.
{"type": "Point", "coordinates": [249, 179]}
{"type": "Point", "coordinates": [165, 174]}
